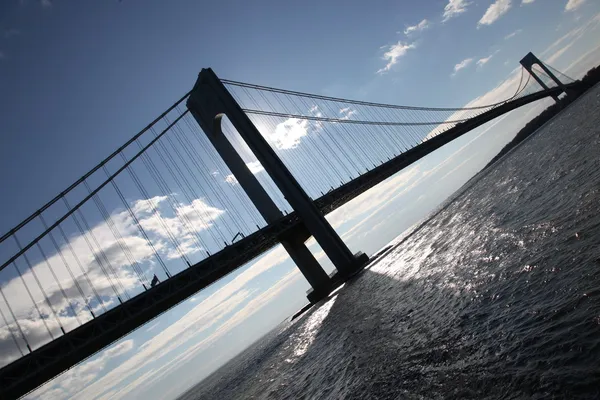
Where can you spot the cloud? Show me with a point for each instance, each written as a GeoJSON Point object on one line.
{"type": "Point", "coordinates": [255, 167]}
{"type": "Point", "coordinates": [556, 55]}
{"type": "Point", "coordinates": [503, 91]}
{"type": "Point", "coordinates": [580, 66]}
{"type": "Point", "coordinates": [288, 133]}
{"type": "Point", "coordinates": [231, 179]}
{"type": "Point", "coordinates": [461, 65]}
{"type": "Point", "coordinates": [482, 61]}
{"type": "Point", "coordinates": [494, 12]}
{"type": "Point", "coordinates": [78, 378]}
{"type": "Point", "coordinates": [513, 34]}
{"type": "Point", "coordinates": [562, 44]}
{"type": "Point", "coordinates": [373, 198]}
{"type": "Point", "coordinates": [208, 321]}
{"type": "Point", "coordinates": [527, 1]}
{"type": "Point", "coordinates": [573, 5]}
{"type": "Point", "coordinates": [174, 365]}
{"type": "Point", "coordinates": [421, 26]}
{"type": "Point", "coordinates": [454, 8]}
{"type": "Point", "coordinates": [119, 349]}
{"type": "Point", "coordinates": [98, 256]}
{"type": "Point", "coordinates": [347, 112]}
{"type": "Point", "coordinates": [394, 53]}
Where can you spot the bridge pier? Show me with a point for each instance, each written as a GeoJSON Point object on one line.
{"type": "Point", "coordinates": [208, 102]}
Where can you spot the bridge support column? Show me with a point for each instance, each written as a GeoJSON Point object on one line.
{"type": "Point", "coordinates": [529, 60]}
{"type": "Point", "coordinates": [208, 102]}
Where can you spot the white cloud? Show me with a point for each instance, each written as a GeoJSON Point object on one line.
{"type": "Point", "coordinates": [573, 5]}
{"type": "Point", "coordinates": [213, 318]}
{"type": "Point", "coordinates": [513, 34]}
{"type": "Point", "coordinates": [288, 133]}
{"type": "Point", "coordinates": [255, 167]}
{"type": "Point", "coordinates": [231, 179]}
{"type": "Point", "coordinates": [494, 12]}
{"type": "Point", "coordinates": [78, 378]}
{"type": "Point", "coordinates": [562, 44]}
{"type": "Point", "coordinates": [109, 265]}
{"type": "Point", "coordinates": [455, 8]}
{"type": "Point", "coordinates": [119, 349]}
{"type": "Point", "coordinates": [503, 91]}
{"type": "Point", "coordinates": [347, 112]}
{"type": "Point", "coordinates": [370, 200]}
{"type": "Point", "coordinates": [461, 65]}
{"type": "Point", "coordinates": [579, 67]}
{"type": "Point", "coordinates": [527, 1]}
{"type": "Point", "coordinates": [394, 53]}
{"type": "Point", "coordinates": [421, 26]}
{"type": "Point", "coordinates": [507, 88]}
{"type": "Point", "coordinates": [482, 61]}
{"type": "Point", "coordinates": [556, 55]}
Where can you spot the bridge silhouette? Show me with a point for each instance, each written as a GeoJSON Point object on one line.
{"type": "Point", "coordinates": [198, 193]}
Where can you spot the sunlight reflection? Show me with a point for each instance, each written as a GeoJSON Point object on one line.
{"type": "Point", "coordinates": [309, 330]}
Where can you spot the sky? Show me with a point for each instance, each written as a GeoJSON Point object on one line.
{"type": "Point", "coordinates": [79, 78]}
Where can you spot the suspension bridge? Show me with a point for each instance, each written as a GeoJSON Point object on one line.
{"type": "Point", "coordinates": [226, 173]}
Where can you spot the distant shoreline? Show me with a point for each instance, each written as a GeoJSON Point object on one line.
{"type": "Point", "coordinates": [591, 78]}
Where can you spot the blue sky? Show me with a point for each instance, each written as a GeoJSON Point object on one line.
{"type": "Point", "coordinates": [78, 78]}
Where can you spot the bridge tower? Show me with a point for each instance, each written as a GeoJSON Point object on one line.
{"type": "Point", "coordinates": [208, 102]}
{"type": "Point", "coordinates": [529, 61]}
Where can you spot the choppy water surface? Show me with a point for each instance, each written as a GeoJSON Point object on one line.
{"type": "Point", "coordinates": [497, 296]}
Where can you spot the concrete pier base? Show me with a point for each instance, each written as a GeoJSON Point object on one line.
{"type": "Point", "coordinates": [337, 279]}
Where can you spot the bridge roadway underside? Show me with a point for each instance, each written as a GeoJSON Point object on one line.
{"type": "Point", "coordinates": [50, 360]}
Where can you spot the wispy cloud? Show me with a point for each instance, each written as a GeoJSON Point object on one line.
{"type": "Point", "coordinates": [77, 379]}
{"type": "Point", "coordinates": [513, 34]}
{"type": "Point", "coordinates": [494, 12]}
{"type": "Point", "coordinates": [210, 320]}
{"type": "Point", "coordinates": [394, 53]}
{"type": "Point", "coordinates": [482, 61]}
{"type": "Point", "coordinates": [347, 112]}
{"type": "Point", "coordinates": [421, 26]}
{"type": "Point", "coordinates": [573, 5]}
{"type": "Point", "coordinates": [462, 65]}
{"type": "Point", "coordinates": [556, 55]}
{"type": "Point", "coordinates": [556, 49]}
{"type": "Point", "coordinates": [527, 1]}
{"type": "Point", "coordinates": [454, 8]}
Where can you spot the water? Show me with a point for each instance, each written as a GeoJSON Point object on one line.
{"type": "Point", "coordinates": [497, 296]}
